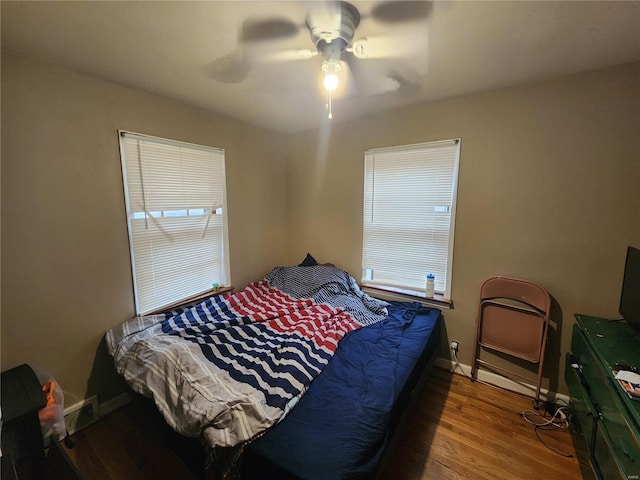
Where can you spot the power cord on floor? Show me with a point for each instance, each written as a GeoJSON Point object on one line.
{"type": "Point", "coordinates": [455, 364]}
{"type": "Point", "coordinates": [548, 416]}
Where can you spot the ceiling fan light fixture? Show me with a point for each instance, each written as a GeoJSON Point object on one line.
{"type": "Point", "coordinates": [332, 26]}
{"type": "Point", "coordinates": [333, 20]}
{"type": "Point", "coordinates": [330, 68]}
{"type": "Point", "coordinates": [330, 82]}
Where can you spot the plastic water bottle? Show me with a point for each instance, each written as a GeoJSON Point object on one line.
{"type": "Point", "coordinates": [430, 290]}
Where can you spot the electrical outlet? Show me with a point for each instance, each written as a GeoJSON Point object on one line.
{"type": "Point", "coordinates": [454, 346]}
{"type": "Point", "coordinates": [81, 415]}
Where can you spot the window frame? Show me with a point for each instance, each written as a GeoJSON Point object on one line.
{"type": "Point", "coordinates": [443, 296]}
{"type": "Point", "coordinates": [225, 280]}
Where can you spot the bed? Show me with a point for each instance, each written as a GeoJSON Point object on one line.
{"type": "Point", "coordinates": [301, 374]}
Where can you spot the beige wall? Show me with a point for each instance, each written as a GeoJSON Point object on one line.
{"type": "Point", "coordinates": [65, 257]}
{"type": "Point", "coordinates": [548, 190]}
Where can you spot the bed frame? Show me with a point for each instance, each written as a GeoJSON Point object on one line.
{"type": "Point", "coordinates": [337, 426]}
{"type": "Point", "coordinates": [258, 464]}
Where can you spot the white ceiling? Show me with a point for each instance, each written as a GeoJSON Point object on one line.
{"type": "Point", "coordinates": [174, 49]}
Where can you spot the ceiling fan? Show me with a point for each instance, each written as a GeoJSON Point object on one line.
{"type": "Point", "coordinates": [332, 28]}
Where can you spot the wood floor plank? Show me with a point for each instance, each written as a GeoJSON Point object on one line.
{"type": "Point", "coordinates": [460, 429]}
{"type": "Point", "coordinates": [453, 429]}
{"type": "Point", "coordinates": [126, 445]}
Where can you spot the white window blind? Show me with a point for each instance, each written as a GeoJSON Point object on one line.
{"type": "Point", "coordinates": [409, 215]}
{"type": "Point", "coordinates": [176, 213]}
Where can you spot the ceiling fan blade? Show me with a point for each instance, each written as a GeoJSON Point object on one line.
{"type": "Point", "coordinates": [406, 86]}
{"type": "Point", "coordinates": [400, 77]}
{"type": "Point", "coordinates": [382, 77]}
{"type": "Point", "coordinates": [253, 31]}
{"type": "Point", "coordinates": [399, 11]}
{"type": "Point", "coordinates": [286, 55]}
{"type": "Point", "coordinates": [235, 66]}
{"type": "Point", "coordinates": [361, 79]}
{"type": "Point", "coordinates": [231, 68]}
{"type": "Point", "coordinates": [408, 43]}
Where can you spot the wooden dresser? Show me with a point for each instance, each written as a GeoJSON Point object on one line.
{"type": "Point", "coordinates": [600, 409]}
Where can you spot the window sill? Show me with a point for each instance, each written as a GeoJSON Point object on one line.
{"type": "Point", "coordinates": [394, 293]}
{"type": "Point", "coordinates": [193, 299]}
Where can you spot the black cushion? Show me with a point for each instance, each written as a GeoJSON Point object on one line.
{"type": "Point", "coordinates": [308, 261]}
{"type": "Point", "coordinates": [21, 393]}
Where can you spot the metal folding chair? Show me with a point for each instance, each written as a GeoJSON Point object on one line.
{"type": "Point", "coordinates": [513, 318]}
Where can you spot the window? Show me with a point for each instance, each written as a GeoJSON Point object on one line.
{"type": "Point", "coordinates": [409, 215]}
{"type": "Point", "coordinates": [176, 214]}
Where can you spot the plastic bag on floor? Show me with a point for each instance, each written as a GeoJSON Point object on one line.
{"type": "Point", "coordinates": [52, 415]}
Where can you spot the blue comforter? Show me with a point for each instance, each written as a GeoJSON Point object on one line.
{"type": "Point", "coordinates": [340, 427]}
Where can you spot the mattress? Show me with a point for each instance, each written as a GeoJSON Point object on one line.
{"type": "Point", "coordinates": [227, 369]}
{"type": "Point", "coordinates": [341, 426]}
{"type": "Point", "coordinates": [301, 372]}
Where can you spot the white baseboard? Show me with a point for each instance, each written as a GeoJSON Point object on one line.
{"type": "Point", "coordinates": [500, 381]}
{"type": "Point", "coordinates": [114, 403]}
{"type": "Point", "coordinates": [85, 412]}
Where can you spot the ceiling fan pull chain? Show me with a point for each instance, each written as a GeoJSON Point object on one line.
{"type": "Point", "coordinates": [327, 104]}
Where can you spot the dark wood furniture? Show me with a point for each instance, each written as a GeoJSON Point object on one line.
{"type": "Point", "coordinates": [22, 445]}
{"type": "Point", "coordinates": [601, 411]}
{"type": "Point", "coordinates": [24, 456]}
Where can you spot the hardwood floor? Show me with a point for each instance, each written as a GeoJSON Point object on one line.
{"type": "Point", "coordinates": [453, 429]}
{"type": "Point", "coordinates": [127, 445]}
{"type": "Point", "coordinates": [458, 429]}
